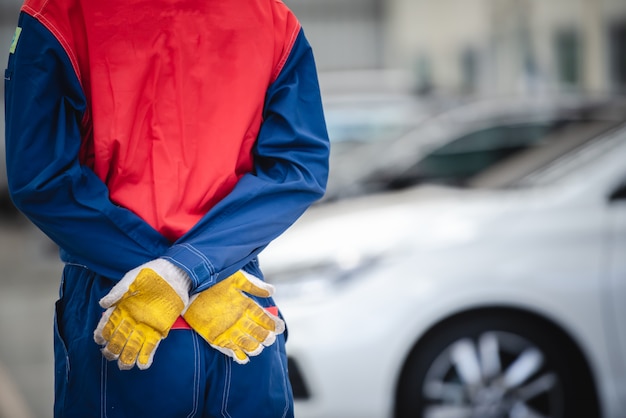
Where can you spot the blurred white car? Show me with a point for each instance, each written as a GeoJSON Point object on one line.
{"type": "Point", "coordinates": [503, 298]}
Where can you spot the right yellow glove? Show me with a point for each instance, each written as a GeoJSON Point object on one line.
{"type": "Point", "coordinates": [140, 310]}
{"type": "Point", "coordinates": [232, 322]}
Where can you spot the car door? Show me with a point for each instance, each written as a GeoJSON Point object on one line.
{"type": "Point", "coordinates": [617, 281]}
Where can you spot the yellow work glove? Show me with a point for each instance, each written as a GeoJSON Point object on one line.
{"type": "Point", "coordinates": [232, 322]}
{"type": "Point", "coordinates": [140, 310]}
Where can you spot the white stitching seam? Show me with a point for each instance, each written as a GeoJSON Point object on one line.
{"type": "Point", "coordinates": [227, 382]}
{"type": "Point", "coordinates": [103, 384]}
{"type": "Point", "coordinates": [285, 383]}
{"type": "Point", "coordinates": [196, 377]}
{"type": "Point", "coordinates": [59, 36]}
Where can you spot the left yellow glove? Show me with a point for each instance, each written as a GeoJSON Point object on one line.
{"type": "Point", "coordinates": [231, 321]}
{"type": "Point", "coordinates": [140, 310]}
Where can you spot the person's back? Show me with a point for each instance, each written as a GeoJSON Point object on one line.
{"type": "Point", "coordinates": [175, 92]}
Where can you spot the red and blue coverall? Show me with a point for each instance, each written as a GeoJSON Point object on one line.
{"type": "Point", "coordinates": [184, 129]}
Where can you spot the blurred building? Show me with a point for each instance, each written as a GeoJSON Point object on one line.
{"type": "Point", "coordinates": [462, 46]}
{"type": "Point", "coordinates": [475, 46]}
{"type": "Point", "coordinates": [458, 46]}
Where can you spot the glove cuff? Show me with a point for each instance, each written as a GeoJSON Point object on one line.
{"type": "Point", "coordinates": [173, 275]}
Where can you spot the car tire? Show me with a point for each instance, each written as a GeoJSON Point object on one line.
{"type": "Point", "coordinates": [495, 365]}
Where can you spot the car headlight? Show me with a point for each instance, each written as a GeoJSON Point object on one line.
{"type": "Point", "coordinates": [320, 276]}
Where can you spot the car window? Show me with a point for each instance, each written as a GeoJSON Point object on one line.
{"type": "Point", "coordinates": [499, 137]}
{"type": "Point", "coordinates": [494, 156]}
{"type": "Point", "coordinates": [472, 153]}
{"type": "Point", "coordinates": [459, 159]}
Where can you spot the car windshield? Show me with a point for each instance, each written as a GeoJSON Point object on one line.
{"type": "Point", "coordinates": [582, 162]}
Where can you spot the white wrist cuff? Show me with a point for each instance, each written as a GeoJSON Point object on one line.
{"type": "Point", "coordinates": [173, 275]}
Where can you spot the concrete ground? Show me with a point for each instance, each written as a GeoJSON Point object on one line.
{"type": "Point", "coordinates": [29, 280]}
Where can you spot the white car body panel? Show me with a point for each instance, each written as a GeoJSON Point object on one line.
{"type": "Point", "coordinates": [540, 250]}
{"type": "Point", "coordinates": [615, 293]}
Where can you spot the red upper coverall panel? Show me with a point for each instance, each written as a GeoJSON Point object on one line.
{"type": "Point", "coordinates": [174, 108]}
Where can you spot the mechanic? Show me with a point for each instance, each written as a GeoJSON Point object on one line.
{"type": "Point", "coordinates": [163, 145]}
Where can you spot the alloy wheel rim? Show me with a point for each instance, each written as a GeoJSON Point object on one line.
{"type": "Point", "coordinates": [497, 375]}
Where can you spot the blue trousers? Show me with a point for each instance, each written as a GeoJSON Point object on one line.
{"type": "Point", "coordinates": [188, 378]}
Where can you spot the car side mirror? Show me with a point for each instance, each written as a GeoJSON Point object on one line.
{"type": "Point", "coordinates": [619, 193]}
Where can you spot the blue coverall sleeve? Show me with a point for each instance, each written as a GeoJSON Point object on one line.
{"type": "Point", "coordinates": [44, 105]}
{"type": "Point", "coordinates": [291, 169]}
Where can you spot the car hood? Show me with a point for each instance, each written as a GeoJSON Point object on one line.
{"type": "Point", "coordinates": [347, 233]}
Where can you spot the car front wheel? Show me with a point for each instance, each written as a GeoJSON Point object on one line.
{"type": "Point", "coordinates": [495, 366]}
